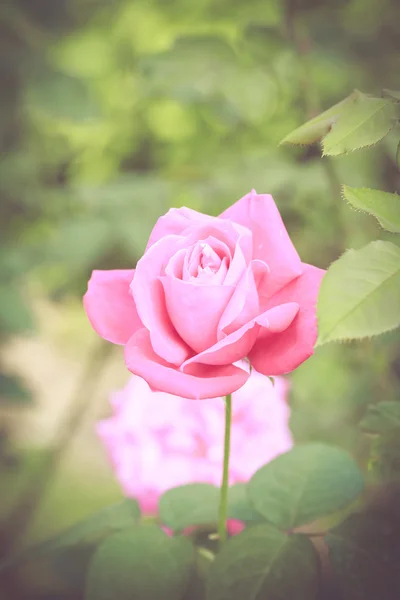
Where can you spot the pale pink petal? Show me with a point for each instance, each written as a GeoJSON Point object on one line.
{"type": "Point", "coordinates": [228, 233]}
{"type": "Point", "coordinates": [195, 310]}
{"type": "Point", "coordinates": [242, 255]}
{"type": "Point", "coordinates": [176, 221]}
{"type": "Point", "coordinates": [148, 293]}
{"type": "Point", "coordinates": [238, 344]}
{"type": "Point", "coordinates": [281, 353]}
{"type": "Point", "coordinates": [110, 306]}
{"type": "Point", "coordinates": [202, 382]}
{"type": "Point", "coordinates": [271, 242]}
{"type": "Point", "coordinates": [244, 304]}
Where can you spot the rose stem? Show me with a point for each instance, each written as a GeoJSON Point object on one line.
{"type": "Point", "coordinates": [223, 504]}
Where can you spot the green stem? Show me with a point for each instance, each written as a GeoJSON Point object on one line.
{"type": "Point", "coordinates": [223, 505]}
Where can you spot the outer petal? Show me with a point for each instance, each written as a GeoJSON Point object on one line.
{"type": "Point", "coordinates": [283, 352]}
{"type": "Point", "coordinates": [148, 293]}
{"type": "Point", "coordinates": [202, 382]}
{"type": "Point", "coordinates": [271, 242]}
{"type": "Point", "coordinates": [175, 222]}
{"type": "Point", "coordinates": [110, 306]}
{"type": "Point", "coordinates": [238, 344]}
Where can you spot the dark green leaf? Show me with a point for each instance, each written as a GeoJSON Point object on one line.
{"type": "Point", "coordinates": [309, 482]}
{"type": "Point", "coordinates": [382, 205]}
{"type": "Point", "coordinates": [381, 418]}
{"type": "Point", "coordinates": [187, 505]}
{"type": "Point", "coordinates": [143, 563]}
{"type": "Point", "coordinates": [316, 128]}
{"type": "Point", "coordinates": [87, 532]}
{"type": "Point", "coordinates": [362, 123]}
{"type": "Point", "coordinates": [360, 294]}
{"type": "Point", "coordinates": [365, 555]}
{"type": "Point", "coordinates": [262, 562]}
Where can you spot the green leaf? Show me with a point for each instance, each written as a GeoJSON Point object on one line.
{"type": "Point", "coordinates": [143, 563]}
{"type": "Point", "coordinates": [187, 505]}
{"type": "Point", "coordinates": [381, 418]}
{"type": "Point", "coordinates": [308, 482]}
{"type": "Point", "coordinates": [87, 532]}
{"type": "Point", "coordinates": [316, 128]}
{"type": "Point", "coordinates": [239, 506]}
{"type": "Point", "coordinates": [362, 123]}
{"type": "Point", "coordinates": [365, 555]}
{"type": "Point", "coordinates": [262, 562]}
{"type": "Point", "coordinates": [360, 294]}
{"type": "Point", "coordinates": [198, 504]}
{"type": "Point", "coordinates": [382, 205]}
{"type": "Point", "coordinates": [398, 155]}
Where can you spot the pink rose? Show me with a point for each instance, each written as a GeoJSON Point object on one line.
{"type": "Point", "coordinates": [208, 292]}
{"type": "Point", "coordinates": [157, 441]}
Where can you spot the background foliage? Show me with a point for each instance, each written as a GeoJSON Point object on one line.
{"type": "Point", "coordinates": [112, 112]}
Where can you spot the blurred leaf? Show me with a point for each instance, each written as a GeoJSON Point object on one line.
{"type": "Point", "coordinates": [360, 294]}
{"type": "Point", "coordinates": [239, 506]}
{"type": "Point", "coordinates": [384, 463]}
{"type": "Point", "coordinates": [395, 94]}
{"type": "Point", "coordinates": [15, 316]}
{"type": "Point", "coordinates": [191, 70]}
{"type": "Point", "coordinates": [310, 481]}
{"type": "Point", "coordinates": [70, 565]}
{"type": "Point", "coordinates": [192, 504]}
{"type": "Point", "coordinates": [198, 504]}
{"type": "Point", "coordinates": [382, 205]}
{"type": "Point", "coordinates": [143, 563]}
{"type": "Point", "coordinates": [316, 128]}
{"type": "Point", "coordinates": [60, 96]}
{"type": "Point", "coordinates": [365, 555]}
{"type": "Point", "coordinates": [382, 418]}
{"type": "Point", "coordinates": [398, 155]}
{"type": "Point", "coordinates": [13, 391]}
{"type": "Point", "coordinates": [362, 123]}
{"type": "Point", "coordinates": [263, 562]}
{"type": "Point", "coordinates": [108, 520]}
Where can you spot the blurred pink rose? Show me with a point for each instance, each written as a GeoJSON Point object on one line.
{"type": "Point", "coordinates": [208, 292]}
{"type": "Point", "coordinates": [157, 441]}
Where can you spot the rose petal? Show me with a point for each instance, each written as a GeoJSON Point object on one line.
{"type": "Point", "coordinates": [283, 352]}
{"type": "Point", "coordinates": [110, 306]}
{"type": "Point", "coordinates": [238, 344]}
{"type": "Point", "coordinates": [148, 293]}
{"type": "Point", "coordinates": [195, 310]}
{"type": "Point", "coordinates": [203, 381]}
{"type": "Point", "coordinates": [243, 306]}
{"type": "Point", "coordinates": [271, 242]}
{"type": "Point", "coordinates": [175, 222]}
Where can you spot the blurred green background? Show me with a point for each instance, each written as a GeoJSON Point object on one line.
{"type": "Point", "coordinates": [112, 111]}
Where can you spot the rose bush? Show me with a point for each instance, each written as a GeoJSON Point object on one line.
{"type": "Point", "coordinates": [208, 292]}
{"type": "Point", "coordinates": [157, 441]}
